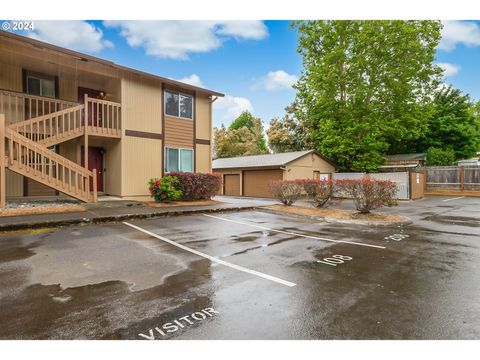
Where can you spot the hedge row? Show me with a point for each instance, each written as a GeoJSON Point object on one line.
{"type": "Point", "coordinates": [185, 186]}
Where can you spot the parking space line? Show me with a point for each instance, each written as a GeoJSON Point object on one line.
{"type": "Point", "coordinates": [213, 259]}
{"type": "Point", "coordinates": [456, 198]}
{"type": "Point", "coordinates": [295, 234]}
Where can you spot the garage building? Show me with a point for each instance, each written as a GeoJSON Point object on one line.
{"type": "Point", "coordinates": [250, 175]}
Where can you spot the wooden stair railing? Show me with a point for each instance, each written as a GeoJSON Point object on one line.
{"type": "Point", "coordinates": [53, 128]}
{"type": "Point", "coordinates": [104, 117]}
{"type": "Point", "coordinates": [37, 162]}
{"type": "Point", "coordinates": [19, 106]}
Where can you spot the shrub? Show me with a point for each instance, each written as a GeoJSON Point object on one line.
{"type": "Point", "coordinates": [368, 194]}
{"type": "Point", "coordinates": [439, 157]}
{"type": "Point", "coordinates": [319, 191]}
{"type": "Point", "coordinates": [197, 186]}
{"type": "Point", "coordinates": [165, 189]}
{"type": "Point", "coordinates": [287, 191]}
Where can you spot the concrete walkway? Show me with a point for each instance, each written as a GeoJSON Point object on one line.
{"type": "Point", "coordinates": [120, 210]}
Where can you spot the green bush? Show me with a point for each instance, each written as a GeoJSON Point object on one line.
{"type": "Point", "coordinates": [165, 189]}
{"type": "Point", "coordinates": [440, 157]}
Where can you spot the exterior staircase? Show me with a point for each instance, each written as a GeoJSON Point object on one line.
{"type": "Point", "coordinates": [24, 143]}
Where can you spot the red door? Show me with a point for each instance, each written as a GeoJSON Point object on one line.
{"type": "Point", "coordinates": [94, 112]}
{"type": "Point", "coordinates": [95, 161]}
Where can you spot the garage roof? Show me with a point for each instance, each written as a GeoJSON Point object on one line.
{"type": "Point", "coordinates": [256, 161]}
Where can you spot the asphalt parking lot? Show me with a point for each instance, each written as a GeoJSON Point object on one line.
{"type": "Point", "coordinates": [248, 275]}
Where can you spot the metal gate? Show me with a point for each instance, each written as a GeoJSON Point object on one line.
{"type": "Point", "coordinates": [400, 179]}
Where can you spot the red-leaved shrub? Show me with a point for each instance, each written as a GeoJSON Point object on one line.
{"type": "Point", "coordinates": [318, 191]}
{"type": "Point", "coordinates": [286, 191]}
{"type": "Point", "coordinates": [197, 186]}
{"type": "Point", "coordinates": [367, 193]}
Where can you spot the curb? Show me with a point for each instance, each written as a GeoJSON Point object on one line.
{"type": "Point", "coordinates": [115, 218]}
{"type": "Point", "coordinates": [335, 220]}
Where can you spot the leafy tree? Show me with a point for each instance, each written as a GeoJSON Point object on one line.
{"type": "Point", "coordinates": [240, 141]}
{"type": "Point", "coordinates": [366, 86]}
{"type": "Point", "coordinates": [439, 157]}
{"type": "Point", "coordinates": [288, 133]}
{"type": "Point", "coordinates": [452, 126]}
{"type": "Point", "coordinates": [246, 119]}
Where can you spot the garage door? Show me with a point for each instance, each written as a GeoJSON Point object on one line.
{"type": "Point", "coordinates": [255, 182]}
{"type": "Point", "coordinates": [231, 184]}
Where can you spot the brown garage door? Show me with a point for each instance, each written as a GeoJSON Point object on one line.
{"type": "Point", "coordinates": [231, 183]}
{"type": "Point", "coordinates": [255, 182]}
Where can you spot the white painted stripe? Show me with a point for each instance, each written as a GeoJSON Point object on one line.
{"type": "Point", "coordinates": [460, 197]}
{"type": "Point", "coordinates": [213, 259]}
{"type": "Point", "coordinates": [295, 234]}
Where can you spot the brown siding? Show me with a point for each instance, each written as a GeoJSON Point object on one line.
{"type": "Point", "coordinates": [231, 184]}
{"type": "Point", "coordinates": [255, 182]}
{"type": "Point", "coordinates": [178, 132]}
{"type": "Point", "coordinates": [203, 157]}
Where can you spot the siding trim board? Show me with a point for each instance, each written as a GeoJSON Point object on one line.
{"type": "Point", "coordinates": [143, 134]}
{"type": "Point", "coordinates": [202, 142]}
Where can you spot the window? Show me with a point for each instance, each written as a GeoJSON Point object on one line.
{"type": "Point", "coordinates": [179, 105]}
{"type": "Point", "coordinates": [40, 87]}
{"type": "Point", "coordinates": [178, 160]}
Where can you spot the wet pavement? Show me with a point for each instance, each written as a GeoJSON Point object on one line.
{"type": "Point", "coordinates": [226, 276]}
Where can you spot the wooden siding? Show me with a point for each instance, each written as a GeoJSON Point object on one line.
{"type": "Point", "coordinates": [178, 132]}
{"type": "Point", "coordinates": [203, 118]}
{"type": "Point", "coordinates": [305, 167]}
{"type": "Point", "coordinates": [141, 105]}
{"type": "Point", "coordinates": [142, 160]}
{"type": "Point", "coordinates": [203, 156]}
{"type": "Point", "coordinates": [13, 183]}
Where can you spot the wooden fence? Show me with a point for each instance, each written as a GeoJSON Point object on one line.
{"type": "Point", "coordinates": [453, 177]}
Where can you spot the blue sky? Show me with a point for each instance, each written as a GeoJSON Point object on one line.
{"type": "Point", "coordinates": [253, 62]}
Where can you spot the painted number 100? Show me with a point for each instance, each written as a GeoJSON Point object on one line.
{"type": "Point", "coordinates": [335, 260]}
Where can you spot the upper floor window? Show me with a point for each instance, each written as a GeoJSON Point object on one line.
{"type": "Point", "coordinates": [178, 104]}
{"type": "Point", "coordinates": [37, 85]}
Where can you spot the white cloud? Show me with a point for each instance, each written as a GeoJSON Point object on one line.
{"type": "Point", "coordinates": [459, 32]}
{"type": "Point", "coordinates": [275, 80]}
{"type": "Point", "coordinates": [248, 30]}
{"type": "Point", "coordinates": [230, 107]}
{"type": "Point", "coordinates": [177, 39]}
{"type": "Point", "coordinates": [193, 79]}
{"type": "Point", "coordinates": [73, 34]}
{"type": "Point", "coordinates": [449, 69]}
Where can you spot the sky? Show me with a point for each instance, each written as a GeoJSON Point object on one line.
{"type": "Point", "coordinates": [254, 63]}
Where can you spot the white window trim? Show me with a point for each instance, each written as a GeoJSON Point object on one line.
{"type": "Point", "coordinates": [165, 158]}
{"type": "Point", "coordinates": [179, 93]}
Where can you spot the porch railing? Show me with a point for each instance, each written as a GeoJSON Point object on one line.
{"type": "Point", "coordinates": [19, 106]}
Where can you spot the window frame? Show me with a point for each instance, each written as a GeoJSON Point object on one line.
{"type": "Point", "coordinates": [179, 93]}
{"type": "Point", "coordinates": [166, 162]}
{"type": "Point", "coordinates": [41, 79]}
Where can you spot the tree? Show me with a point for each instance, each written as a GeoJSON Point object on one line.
{"type": "Point", "coordinates": [240, 140]}
{"type": "Point", "coordinates": [439, 157]}
{"type": "Point", "coordinates": [288, 133]}
{"type": "Point", "coordinates": [365, 86]}
{"type": "Point", "coordinates": [452, 125]}
{"type": "Point", "coordinates": [246, 119]}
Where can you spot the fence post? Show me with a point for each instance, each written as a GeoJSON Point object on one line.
{"type": "Point", "coordinates": [462, 178]}
{"type": "Point", "coordinates": [2, 162]}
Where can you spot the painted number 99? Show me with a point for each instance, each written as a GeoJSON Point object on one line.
{"type": "Point", "coordinates": [335, 260]}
